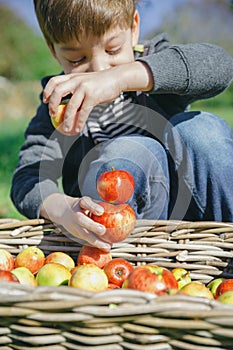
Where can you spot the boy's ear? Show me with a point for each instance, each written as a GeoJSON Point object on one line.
{"type": "Point", "coordinates": [135, 28]}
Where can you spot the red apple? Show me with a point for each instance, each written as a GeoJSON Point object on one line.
{"type": "Point", "coordinates": [152, 279]}
{"type": "Point", "coordinates": [31, 257]}
{"type": "Point", "coordinates": [197, 289]}
{"type": "Point", "coordinates": [6, 260]}
{"type": "Point", "coordinates": [25, 276]}
{"type": "Point", "coordinates": [89, 277]}
{"type": "Point", "coordinates": [8, 276]}
{"type": "Point", "coordinates": [53, 274]}
{"type": "Point", "coordinates": [93, 255]}
{"type": "Point", "coordinates": [119, 221]}
{"type": "Point", "coordinates": [182, 276]}
{"type": "Point", "coordinates": [116, 186]}
{"type": "Point", "coordinates": [117, 270]}
{"type": "Point", "coordinates": [224, 286]}
{"type": "Point", "coordinates": [112, 286]}
{"type": "Point", "coordinates": [61, 258]}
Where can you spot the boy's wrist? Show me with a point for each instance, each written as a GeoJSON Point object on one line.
{"type": "Point", "coordinates": [136, 76]}
{"type": "Point", "coordinates": [54, 206]}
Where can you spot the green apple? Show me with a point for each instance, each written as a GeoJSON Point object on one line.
{"type": "Point", "coordinates": [213, 285]}
{"type": "Point", "coordinates": [89, 277]}
{"type": "Point", "coordinates": [226, 298]}
{"type": "Point", "coordinates": [182, 276]}
{"type": "Point", "coordinates": [25, 276]}
{"type": "Point", "coordinates": [53, 274]}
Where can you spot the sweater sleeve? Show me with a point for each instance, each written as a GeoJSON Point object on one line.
{"type": "Point", "coordinates": [199, 70]}
{"type": "Point", "coordinates": [39, 166]}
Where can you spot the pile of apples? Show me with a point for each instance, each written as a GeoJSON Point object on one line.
{"type": "Point", "coordinates": [95, 270]}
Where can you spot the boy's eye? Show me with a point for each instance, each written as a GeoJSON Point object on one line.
{"type": "Point", "coordinates": [76, 62]}
{"type": "Point", "coordinates": [114, 51]}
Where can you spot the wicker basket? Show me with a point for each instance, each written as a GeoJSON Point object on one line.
{"type": "Point", "coordinates": [59, 318]}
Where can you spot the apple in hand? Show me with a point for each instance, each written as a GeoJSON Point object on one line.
{"type": "Point", "coordinates": [115, 186]}
{"type": "Point", "coordinates": [31, 257]}
{"type": "Point", "coordinates": [119, 221]}
{"type": "Point", "coordinates": [61, 258]}
{"type": "Point", "coordinates": [182, 276]}
{"type": "Point", "coordinates": [196, 289]}
{"type": "Point", "coordinates": [152, 279]}
{"type": "Point", "coordinates": [58, 119]}
{"type": "Point", "coordinates": [224, 286]}
{"type": "Point", "coordinates": [6, 260]}
{"type": "Point", "coordinates": [53, 274]}
{"type": "Point", "coordinates": [93, 255]}
{"type": "Point", "coordinates": [25, 276]}
{"type": "Point", "coordinates": [8, 276]}
{"type": "Point", "coordinates": [117, 270]}
{"type": "Point", "coordinates": [89, 277]}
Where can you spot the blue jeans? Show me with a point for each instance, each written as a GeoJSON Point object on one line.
{"type": "Point", "coordinates": [187, 175]}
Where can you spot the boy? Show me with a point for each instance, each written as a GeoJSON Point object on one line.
{"type": "Point", "coordinates": [128, 109]}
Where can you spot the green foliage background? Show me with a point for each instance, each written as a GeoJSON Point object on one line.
{"type": "Point", "coordinates": [24, 60]}
{"type": "Point", "coordinates": [24, 54]}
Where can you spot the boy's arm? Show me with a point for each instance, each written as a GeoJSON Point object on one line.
{"type": "Point", "coordinates": [192, 71]}
{"type": "Point", "coordinates": [197, 70]}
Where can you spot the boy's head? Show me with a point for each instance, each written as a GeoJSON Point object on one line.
{"type": "Point", "coordinates": [64, 20]}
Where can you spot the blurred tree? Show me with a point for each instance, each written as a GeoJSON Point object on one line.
{"type": "Point", "coordinates": [201, 20]}
{"type": "Point", "coordinates": [23, 55]}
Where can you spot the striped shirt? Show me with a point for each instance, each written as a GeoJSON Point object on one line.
{"type": "Point", "coordinates": [120, 117]}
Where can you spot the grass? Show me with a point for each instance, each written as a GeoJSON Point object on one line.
{"type": "Point", "coordinates": [11, 138]}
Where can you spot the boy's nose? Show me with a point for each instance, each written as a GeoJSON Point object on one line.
{"type": "Point", "coordinates": [97, 64]}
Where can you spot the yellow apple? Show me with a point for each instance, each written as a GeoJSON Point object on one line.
{"type": "Point", "coordinates": [25, 276]}
{"type": "Point", "coordinates": [61, 258]}
{"type": "Point", "coordinates": [197, 289]}
{"type": "Point", "coordinates": [89, 277]}
{"type": "Point", "coordinates": [58, 120]}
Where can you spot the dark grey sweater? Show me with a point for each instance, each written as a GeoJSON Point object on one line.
{"type": "Point", "coordinates": [182, 74]}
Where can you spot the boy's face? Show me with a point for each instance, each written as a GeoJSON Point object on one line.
{"type": "Point", "coordinates": [92, 54]}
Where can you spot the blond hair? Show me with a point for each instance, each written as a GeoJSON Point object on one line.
{"type": "Point", "coordinates": [62, 20]}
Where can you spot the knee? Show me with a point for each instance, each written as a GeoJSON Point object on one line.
{"type": "Point", "coordinates": [201, 131]}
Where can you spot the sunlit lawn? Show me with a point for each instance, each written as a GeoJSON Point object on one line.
{"type": "Point", "coordinates": [11, 138]}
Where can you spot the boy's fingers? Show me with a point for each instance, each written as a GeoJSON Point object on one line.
{"type": "Point", "coordinates": [86, 203]}
{"type": "Point", "coordinates": [52, 85]}
{"type": "Point", "coordinates": [71, 114]}
{"type": "Point", "coordinates": [87, 223]}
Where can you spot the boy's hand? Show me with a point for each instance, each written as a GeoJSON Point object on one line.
{"type": "Point", "coordinates": [73, 215]}
{"type": "Point", "coordinates": [91, 89]}
{"type": "Point", "coordinates": [87, 90]}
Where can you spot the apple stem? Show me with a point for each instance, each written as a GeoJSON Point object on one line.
{"type": "Point", "coordinates": [113, 169]}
